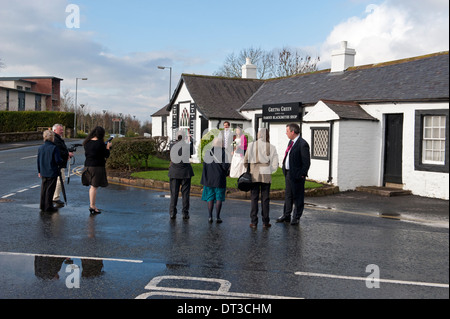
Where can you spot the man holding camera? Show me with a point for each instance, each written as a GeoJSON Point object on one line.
{"type": "Point", "coordinates": [58, 129]}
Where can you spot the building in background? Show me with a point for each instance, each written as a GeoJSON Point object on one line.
{"type": "Point", "coordinates": [384, 124]}
{"type": "Point", "coordinates": [30, 93]}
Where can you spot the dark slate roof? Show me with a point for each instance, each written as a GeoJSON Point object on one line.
{"type": "Point", "coordinates": [218, 97]}
{"type": "Point", "coordinates": [162, 112]}
{"type": "Point", "coordinates": [26, 78]}
{"type": "Point", "coordinates": [348, 110]}
{"type": "Point", "coordinates": [424, 78]}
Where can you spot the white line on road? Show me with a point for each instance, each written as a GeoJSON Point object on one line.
{"type": "Point", "coordinates": [73, 257]}
{"type": "Point", "coordinates": [22, 190]}
{"type": "Point", "coordinates": [28, 157]}
{"type": "Point", "coordinates": [9, 195]}
{"type": "Point", "coordinates": [222, 292]}
{"type": "Point", "coordinates": [400, 282]}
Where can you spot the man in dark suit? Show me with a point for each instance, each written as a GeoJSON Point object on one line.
{"type": "Point", "coordinates": [296, 164]}
{"type": "Point", "coordinates": [58, 129]}
{"type": "Point", "coordinates": [180, 174]}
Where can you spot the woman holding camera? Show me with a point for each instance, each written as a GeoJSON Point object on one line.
{"type": "Point", "coordinates": [94, 175]}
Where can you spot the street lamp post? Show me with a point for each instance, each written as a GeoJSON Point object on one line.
{"type": "Point", "coordinates": [170, 80]}
{"type": "Point", "coordinates": [76, 101]}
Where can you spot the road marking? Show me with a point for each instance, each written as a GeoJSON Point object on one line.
{"type": "Point", "coordinates": [73, 257]}
{"type": "Point", "coordinates": [400, 282]}
{"type": "Point", "coordinates": [28, 157]}
{"type": "Point", "coordinates": [20, 191]}
{"type": "Point", "coordinates": [222, 292]}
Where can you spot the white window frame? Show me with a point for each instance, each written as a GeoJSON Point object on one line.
{"type": "Point", "coordinates": [433, 139]}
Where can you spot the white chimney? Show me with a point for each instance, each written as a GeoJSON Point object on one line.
{"type": "Point", "coordinates": [249, 70]}
{"type": "Point", "coordinates": [343, 58]}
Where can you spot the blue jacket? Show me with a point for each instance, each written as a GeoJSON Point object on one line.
{"type": "Point", "coordinates": [215, 168]}
{"type": "Point", "coordinates": [48, 160]}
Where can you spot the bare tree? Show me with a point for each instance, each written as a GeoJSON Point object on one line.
{"type": "Point", "coordinates": [291, 62]}
{"type": "Point", "coordinates": [233, 63]}
{"type": "Point", "coordinates": [275, 63]}
{"type": "Point", "coordinates": [67, 101]}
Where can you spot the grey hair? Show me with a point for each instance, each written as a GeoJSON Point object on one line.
{"type": "Point", "coordinates": [55, 126]}
{"type": "Point", "coordinates": [48, 135]}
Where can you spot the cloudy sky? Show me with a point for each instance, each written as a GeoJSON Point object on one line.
{"type": "Point", "coordinates": [119, 44]}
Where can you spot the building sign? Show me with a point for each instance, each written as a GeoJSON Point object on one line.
{"type": "Point", "coordinates": [287, 112]}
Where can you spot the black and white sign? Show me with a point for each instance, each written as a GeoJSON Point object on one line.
{"type": "Point", "coordinates": [287, 112]}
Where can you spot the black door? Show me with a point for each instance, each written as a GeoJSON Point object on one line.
{"type": "Point", "coordinates": [393, 156]}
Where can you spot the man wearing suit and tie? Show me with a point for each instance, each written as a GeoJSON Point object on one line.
{"type": "Point", "coordinates": [180, 173]}
{"type": "Point", "coordinates": [296, 164]}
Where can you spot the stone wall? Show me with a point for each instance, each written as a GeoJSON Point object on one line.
{"type": "Point", "coordinates": [19, 137]}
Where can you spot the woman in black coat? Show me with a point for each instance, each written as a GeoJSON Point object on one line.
{"type": "Point", "coordinates": [214, 178]}
{"type": "Point", "coordinates": [96, 152]}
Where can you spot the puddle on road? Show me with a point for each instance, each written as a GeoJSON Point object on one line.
{"type": "Point", "coordinates": [53, 276]}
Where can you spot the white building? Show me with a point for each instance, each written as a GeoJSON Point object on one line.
{"type": "Point", "coordinates": [371, 125]}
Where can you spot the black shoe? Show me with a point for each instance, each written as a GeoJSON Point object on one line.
{"type": "Point", "coordinates": [284, 218]}
{"type": "Point", "coordinates": [94, 211]}
{"type": "Point", "coordinates": [210, 220]}
{"type": "Point", "coordinates": [186, 216]}
{"type": "Point", "coordinates": [295, 221]}
{"type": "Point", "coordinates": [218, 220]}
{"type": "Point", "coordinates": [58, 203]}
{"type": "Point", "coordinates": [267, 225]}
{"type": "Point", "coordinates": [51, 210]}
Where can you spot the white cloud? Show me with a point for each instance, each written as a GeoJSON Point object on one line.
{"type": "Point", "coordinates": [36, 42]}
{"type": "Point", "coordinates": [393, 30]}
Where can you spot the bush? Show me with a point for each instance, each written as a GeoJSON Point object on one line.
{"type": "Point", "coordinates": [27, 121]}
{"type": "Point", "coordinates": [129, 152]}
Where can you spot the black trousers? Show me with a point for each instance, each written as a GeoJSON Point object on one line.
{"type": "Point", "coordinates": [175, 184]}
{"type": "Point", "coordinates": [294, 200]}
{"type": "Point", "coordinates": [48, 187]}
{"type": "Point", "coordinates": [264, 190]}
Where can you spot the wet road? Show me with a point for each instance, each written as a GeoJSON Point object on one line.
{"type": "Point", "coordinates": [133, 250]}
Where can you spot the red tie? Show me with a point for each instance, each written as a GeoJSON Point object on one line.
{"type": "Point", "coordinates": [288, 149]}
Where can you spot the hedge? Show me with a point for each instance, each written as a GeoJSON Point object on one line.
{"type": "Point", "coordinates": [27, 121]}
{"type": "Point", "coordinates": [129, 152]}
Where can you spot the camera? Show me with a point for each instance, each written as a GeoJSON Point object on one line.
{"type": "Point", "coordinates": [73, 147]}
{"type": "Point", "coordinates": [109, 139]}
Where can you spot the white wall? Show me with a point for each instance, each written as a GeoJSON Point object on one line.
{"type": "Point", "coordinates": [156, 125]}
{"type": "Point", "coordinates": [357, 160]}
{"type": "Point", "coordinates": [422, 183]}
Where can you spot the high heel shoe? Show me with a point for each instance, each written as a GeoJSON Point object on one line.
{"type": "Point", "coordinates": [94, 211]}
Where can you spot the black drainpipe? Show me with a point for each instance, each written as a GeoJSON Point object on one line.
{"type": "Point", "coordinates": [330, 159]}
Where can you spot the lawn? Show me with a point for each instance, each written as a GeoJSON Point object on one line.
{"type": "Point", "coordinates": [161, 175]}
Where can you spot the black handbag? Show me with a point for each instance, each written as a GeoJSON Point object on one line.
{"type": "Point", "coordinates": [244, 182]}
{"type": "Point", "coordinates": [85, 177]}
